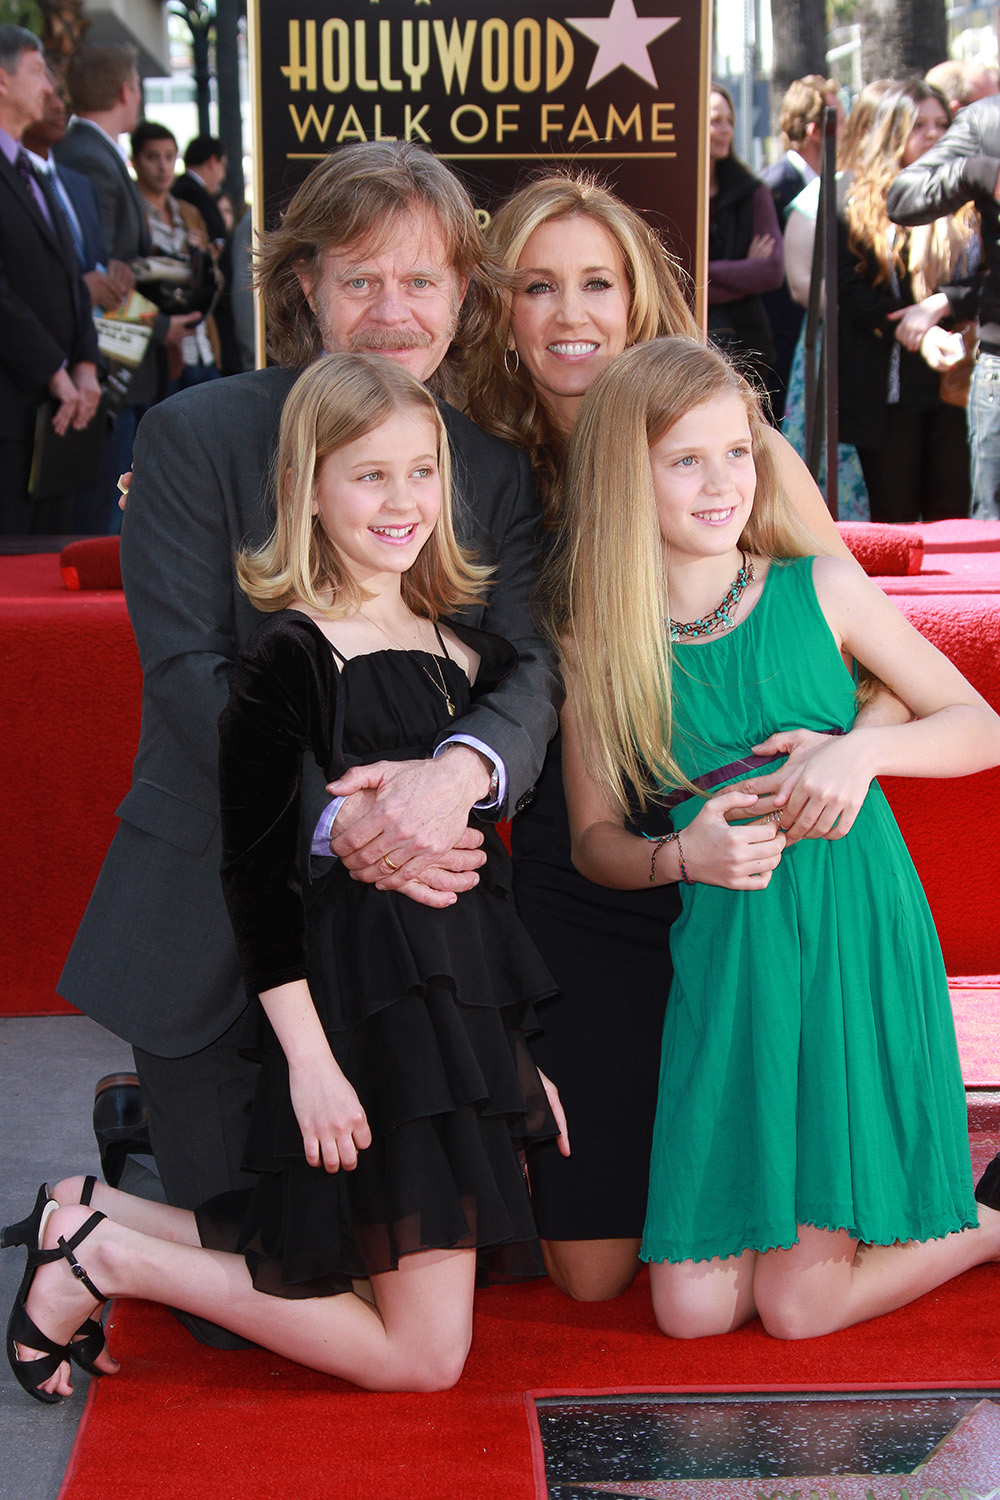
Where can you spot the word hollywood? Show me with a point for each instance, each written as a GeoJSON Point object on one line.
{"type": "Point", "coordinates": [484, 59]}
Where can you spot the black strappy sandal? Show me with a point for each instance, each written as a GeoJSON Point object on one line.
{"type": "Point", "coordinates": [90, 1340]}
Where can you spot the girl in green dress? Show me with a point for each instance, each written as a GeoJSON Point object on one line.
{"type": "Point", "coordinates": [810, 1157]}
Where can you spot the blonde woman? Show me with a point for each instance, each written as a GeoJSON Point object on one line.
{"type": "Point", "coordinates": [895, 285]}
{"type": "Point", "coordinates": [395, 1086]}
{"type": "Point", "coordinates": [592, 279]}
{"type": "Point", "coordinates": [810, 1156]}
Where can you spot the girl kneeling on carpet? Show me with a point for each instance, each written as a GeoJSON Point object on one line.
{"type": "Point", "coordinates": [396, 1085]}
{"type": "Point", "coordinates": [810, 1156]}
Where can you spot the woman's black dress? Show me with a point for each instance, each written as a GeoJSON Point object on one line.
{"type": "Point", "coordinates": [426, 1010]}
{"type": "Point", "coordinates": [609, 953]}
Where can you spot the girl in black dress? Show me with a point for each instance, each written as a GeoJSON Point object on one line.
{"type": "Point", "coordinates": [395, 1085]}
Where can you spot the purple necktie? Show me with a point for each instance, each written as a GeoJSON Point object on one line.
{"type": "Point", "coordinates": [31, 182]}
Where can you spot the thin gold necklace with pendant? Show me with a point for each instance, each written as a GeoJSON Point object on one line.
{"type": "Point", "coordinates": [437, 680]}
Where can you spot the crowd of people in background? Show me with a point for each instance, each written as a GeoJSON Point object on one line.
{"type": "Point", "coordinates": [909, 299]}
{"type": "Point", "coordinates": [90, 236]}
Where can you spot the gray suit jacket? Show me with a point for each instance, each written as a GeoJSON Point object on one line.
{"type": "Point", "coordinates": [86, 149]}
{"type": "Point", "coordinates": [154, 959]}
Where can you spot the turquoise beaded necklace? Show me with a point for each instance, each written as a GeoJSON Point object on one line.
{"type": "Point", "coordinates": [722, 617]}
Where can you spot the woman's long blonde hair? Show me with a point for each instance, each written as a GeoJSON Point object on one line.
{"type": "Point", "coordinates": [337, 400]}
{"type": "Point", "coordinates": [507, 404]}
{"type": "Point", "coordinates": [931, 253]}
{"type": "Point", "coordinates": [608, 602]}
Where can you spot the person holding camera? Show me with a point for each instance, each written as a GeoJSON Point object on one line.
{"type": "Point", "coordinates": [179, 236]}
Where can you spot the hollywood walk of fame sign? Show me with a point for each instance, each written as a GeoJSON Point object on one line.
{"type": "Point", "coordinates": [619, 90]}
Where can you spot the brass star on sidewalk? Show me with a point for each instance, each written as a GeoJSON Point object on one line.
{"type": "Point", "coordinates": [623, 40]}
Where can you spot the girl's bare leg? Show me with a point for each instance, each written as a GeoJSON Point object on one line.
{"type": "Point", "coordinates": [694, 1299]}
{"type": "Point", "coordinates": [592, 1270]}
{"type": "Point", "coordinates": [416, 1337]}
{"type": "Point", "coordinates": [828, 1281]}
{"type": "Point", "coordinates": [158, 1219]}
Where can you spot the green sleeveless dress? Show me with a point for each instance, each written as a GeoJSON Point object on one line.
{"type": "Point", "coordinates": [809, 1070]}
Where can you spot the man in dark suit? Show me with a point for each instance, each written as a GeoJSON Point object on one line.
{"type": "Point", "coordinates": [378, 250]}
{"type": "Point", "coordinates": [103, 83]}
{"type": "Point", "coordinates": [104, 90]}
{"type": "Point", "coordinates": [205, 165]}
{"type": "Point", "coordinates": [199, 184]}
{"type": "Point", "coordinates": [109, 281]}
{"type": "Point", "coordinates": [802, 133]}
{"type": "Point", "coordinates": [49, 347]}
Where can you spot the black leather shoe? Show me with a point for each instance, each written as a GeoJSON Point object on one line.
{"type": "Point", "coordinates": [210, 1334]}
{"type": "Point", "coordinates": [988, 1186]}
{"type": "Point", "coordinates": [121, 1124]}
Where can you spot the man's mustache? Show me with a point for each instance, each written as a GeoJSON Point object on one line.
{"type": "Point", "coordinates": [389, 338]}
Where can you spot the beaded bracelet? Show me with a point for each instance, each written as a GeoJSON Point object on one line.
{"type": "Point", "coordinates": [658, 843]}
{"type": "Point", "coordinates": [665, 838]}
{"type": "Point", "coordinates": [680, 855]}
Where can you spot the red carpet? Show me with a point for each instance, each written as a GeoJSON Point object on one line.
{"type": "Point", "coordinates": [185, 1421]}
{"type": "Point", "coordinates": [71, 686]}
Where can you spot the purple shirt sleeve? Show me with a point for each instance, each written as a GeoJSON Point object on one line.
{"type": "Point", "coordinates": [731, 279]}
{"type": "Point", "coordinates": [323, 832]}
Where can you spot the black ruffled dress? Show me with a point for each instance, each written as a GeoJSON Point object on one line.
{"type": "Point", "coordinates": [426, 1011]}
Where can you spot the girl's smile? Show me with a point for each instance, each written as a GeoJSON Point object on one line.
{"type": "Point", "coordinates": [379, 497]}
{"type": "Point", "coordinates": [704, 479]}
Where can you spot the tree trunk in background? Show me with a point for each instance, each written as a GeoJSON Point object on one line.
{"type": "Point", "coordinates": [227, 74]}
{"type": "Point", "coordinates": [64, 28]}
{"type": "Point", "coordinates": [799, 32]}
{"type": "Point", "coordinates": [901, 38]}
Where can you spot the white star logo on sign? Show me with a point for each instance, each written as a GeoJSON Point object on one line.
{"type": "Point", "coordinates": [623, 40]}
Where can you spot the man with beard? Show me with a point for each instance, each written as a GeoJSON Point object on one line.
{"type": "Point", "coordinates": [378, 250]}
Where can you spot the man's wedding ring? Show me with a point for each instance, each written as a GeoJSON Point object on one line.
{"type": "Point", "coordinates": [389, 862]}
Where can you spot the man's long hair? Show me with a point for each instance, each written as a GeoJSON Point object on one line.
{"type": "Point", "coordinates": [357, 195]}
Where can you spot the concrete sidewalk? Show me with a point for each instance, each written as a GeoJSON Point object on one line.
{"type": "Point", "coordinates": [48, 1068]}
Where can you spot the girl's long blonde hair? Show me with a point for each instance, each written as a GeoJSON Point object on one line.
{"type": "Point", "coordinates": [337, 400]}
{"type": "Point", "coordinates": [506, 403]}
{"type": "Point", "coordinates": [607, 589]}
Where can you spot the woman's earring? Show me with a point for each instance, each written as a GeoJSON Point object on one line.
{"type": "Point", "coordinates": [506, 360]}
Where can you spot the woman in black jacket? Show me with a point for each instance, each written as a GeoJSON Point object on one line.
{"type": "Point", "coordinates": [745, 248]}
{"type": "Point", "coordinates": [894, 285]}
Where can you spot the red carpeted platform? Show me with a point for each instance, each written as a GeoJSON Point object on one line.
{"type": "Point", "coordinates": [976, 1009]}
{"type": "Point", "coordinates": [185, 1421]}
{"type": "Point", "coordinates": [71, 685]}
